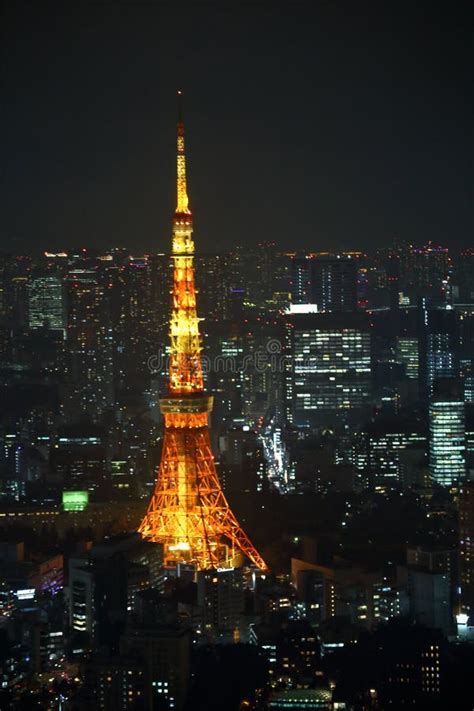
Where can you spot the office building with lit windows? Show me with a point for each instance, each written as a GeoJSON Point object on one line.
{"type": "Point", "coordinates": [462, 284]}
{"type": "Point", "coordinates": [466, 550]}
{"type": "Point", "coordinates": [334, 282]}
{"type": "Point", "coordinates": [114, 683]}
{"type": "Point", "coordinates": [46, 303]}
{"type": "Point", "coordinates": [89, 344]}
{"type": "Point", "coordinates": [164, 653]}
{"type": "Point", "coordinates": [447, 447]}
{"type": "Point", "coordinates": [300, 280]}
{"type": "Point", "coordinates": [388, 601]}
{"type": "Point", "coordinates": [81, 595]}
{"type": "Point", "coordinates": [386, 443]}
{"type": "Point", "coordinates": [424, 272]}
{"type": "Point", "coordinates": [441, 357]}
{"type": "Point", "coordinates": [408, 354]}
{"type": "Point", "coordinates": [328, 280]}
{"type": "Point", "coordinates": [220, 595]}
{"type": "Point", "coordinates": [79, 459]}
{"type": "Point", "coordinates": [328, 368]}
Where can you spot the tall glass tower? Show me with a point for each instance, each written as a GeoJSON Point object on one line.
{"type": "Point", "coordinates": [447, 453]}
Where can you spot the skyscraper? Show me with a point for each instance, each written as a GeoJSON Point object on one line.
{"type": "Point", "coordinates": [327, 280]}
{"type": "Point", "coordinates": [424, 273]}
{"type": "Point", "coordinates": [213, 283]}
{"type": "Point", "coordinates": [46, 302]}
{"type": "Point", "coordinates": [221, 600]}
{"type": "Point", "coordinates": [188, 511]}
{"type": "Point", "coordinates": [466, 549]}
{"type": "Point", "coordinates": [408, 354]}
{"type": "Point", "coordinates": [387, 441]}
{"type": "Point", "coordinates": [89, 341]}
{"type": "Point", "coordinates": [447, 450]}
{"type": "Point", "coordinates": [334, 282]}
{"type": "Point", "coordinates": [328, 370]}
{"type": "Point", "coordinates": [441, 346]}
{"type": "Point", "coordinates": [300, 283]}
{"type": "Point", "coordinates": [463, 287]}
{"type": "Point", "coordinates": [134, 333]}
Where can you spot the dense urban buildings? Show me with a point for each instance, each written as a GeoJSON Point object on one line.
{"type": "Point", "coordinates": [343, 438]}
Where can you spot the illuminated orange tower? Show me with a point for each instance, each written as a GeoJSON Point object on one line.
{"type": "Point", "coordinates": [188, 511]}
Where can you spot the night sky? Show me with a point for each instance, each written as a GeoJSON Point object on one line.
{"type": "Point", "coordinates": [316, 125]}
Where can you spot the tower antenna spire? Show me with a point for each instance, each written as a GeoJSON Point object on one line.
{"type": "Point", "coordinates": [182, 201]}
{"type": "Point", "coordinates": [179, 94]}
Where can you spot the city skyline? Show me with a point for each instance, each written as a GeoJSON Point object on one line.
{"type": "Point", "coordinates": [325, 127]}
{"type": "Point", "coordinates": [240, 476]}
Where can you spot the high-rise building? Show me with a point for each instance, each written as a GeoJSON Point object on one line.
{"type": "Point", "coordinates": [133, 329]}
{"type": "Point", "coordinates": [81, 595]}
{"type": "Point", "coordinates": [298, 652]}
{"type": "Point", "coordinates": [221, 601]}
{"type": "Point", "coordinates": [89, 344]}
{"type": "Point", "coordinates": [466, 549]}
{"type": "Point", "coordinates": [225, 346]}
{"type": "Point", "coordinates": [261, 374]}
{"type": "Point", "coordinates": [253, 271]}
{"type": "Point", "coordinates": [18, 301]}
{"type": "Point", "coordinates": [440, 357]}
{"type": "Point", "coordinates": [424, 273]}
{"type": "Point", "coordinates": [328, 367]}
{"type": "Point", "coordinates": [281, 278]}
{"type": "Point", "coordinates": [213, 285]}
{"type": "Point", "coordinates": [164, 655]}
{"type": "Point", "coordinates": [439, 345]}
{"type": "Point", "coordinates": [328, 280]}
{"type": "Point", "coordinates": [46, 302]}
{"type": "Point", "coordinates": [406, 667]}
{"type": "Point", "coordinates": [104, 584]}
{"type": "Point", "coordinates": [188, 512]}
{"type": "Point", "coordinates": [462, 286]}
{"type": "Point", "coordinates": [387, 440]}
{"type": "Point", "coordinates": [447, 448]}
{"type": "Point", "coordinates": [388, 601]}
{"type": "Point", "coordinates": [408, 354]}
{"type": "Point", "coordinates": [469, 440]}
{"type": "Point", "coordinates": [79, 461]}
{"type": "Point", "coordinates": [243, 462]}
{"type": "Point", "coordinates": [430, 594]}
{"type": "Point", "coordinates": [114, 683]}
{"type": "Point", "coordinates": [334, 282]}
{"type": "Point", "coordinates": [14, 277]}
{"type": "Point", "coordinates": [301, 278]}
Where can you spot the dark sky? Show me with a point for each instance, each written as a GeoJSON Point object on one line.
{"type": "Point", "coordinates": [315, 124]}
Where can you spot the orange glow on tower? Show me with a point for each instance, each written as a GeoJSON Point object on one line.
{"type": "Point", "coordinates": [188, 512]}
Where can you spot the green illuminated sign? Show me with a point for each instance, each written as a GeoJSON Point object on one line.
{"type": "Point", "coordinates": [75, 500]}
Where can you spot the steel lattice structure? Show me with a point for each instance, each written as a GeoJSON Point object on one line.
{"type": "Point", "coordinates": [188, 512]}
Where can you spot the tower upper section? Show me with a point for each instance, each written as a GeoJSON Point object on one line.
{"type": "Point", "coordinates": [185, 372]}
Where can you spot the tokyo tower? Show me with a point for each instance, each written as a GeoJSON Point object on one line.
{"type": "Point", "coordinates": [188, 512]}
